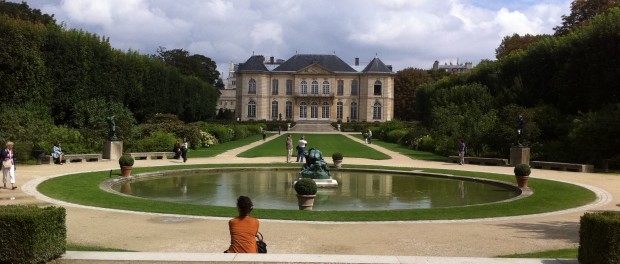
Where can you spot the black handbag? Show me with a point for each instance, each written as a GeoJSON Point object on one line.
{"type": "Point", "coordinates": [262, 246]}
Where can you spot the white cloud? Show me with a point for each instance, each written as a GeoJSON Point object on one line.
{"type": "Point", "coordinates": [404, 33]}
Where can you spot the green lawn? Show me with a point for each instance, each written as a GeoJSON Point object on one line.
{"type": "Point", "coordinates": [414, 154]}
{"type": "Point", "coordinates": [567, 253]}
{"type": "Point", "coordinates": [326, 143]}
{"type": "Point", "coordinates": [221, 148]}
{"type": "Point", "coordinates": [83, 188]}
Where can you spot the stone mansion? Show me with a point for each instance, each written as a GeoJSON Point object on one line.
{"type": "Point", "coordinates": [309, 87]}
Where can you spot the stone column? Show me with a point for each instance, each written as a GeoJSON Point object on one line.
{"type": "Point", "coordinates": [113, 150]}
{"type": "Point", "coordinates": [519, 155]}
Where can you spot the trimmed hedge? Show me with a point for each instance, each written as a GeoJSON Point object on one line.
{"type": "Point", "coordinates": [599, 238]}
{"type": "Point", "coordinates": [29, 234]}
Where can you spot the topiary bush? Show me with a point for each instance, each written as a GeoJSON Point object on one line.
{"type": "Point", "coordinates": [305, 186]}
{"type": "Point", "coordinates": [31, 234]}
{"type": "Point", "coordinates": [337, 156]}
{"type": "Point", "coordinates": [522, 170]}
{"type": "Point", "coordinates": [395, 136]}
{"type": "Point", "coordinates": [599, 236]}
{"type": "Point", "coordinates": [125, 160]}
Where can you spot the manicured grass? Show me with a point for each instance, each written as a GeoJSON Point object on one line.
{"type": "Point", "coordinates": [75, 247]}
{"type": "Point", "coordinates": [567, 253]}
{"type": "Point", "coordinates": [414, 154]}
{"type": "Point", "coordinates": [221, 148]}
{"type": "Point", "coordinates": [83, 188]}
{"type": "Point", "coordinates": [326, 143]}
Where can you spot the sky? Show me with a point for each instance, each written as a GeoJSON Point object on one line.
{"type": "Point", "coordinates": [402, 33]}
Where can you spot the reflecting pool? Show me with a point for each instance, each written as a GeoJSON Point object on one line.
{"type": "Point", "coordinates": [356, 191]}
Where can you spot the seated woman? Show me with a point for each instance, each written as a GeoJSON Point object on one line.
{"type": "Point", "coordinates": [243, 228]}
{"type": "Point", "coordinates": [57, 154]}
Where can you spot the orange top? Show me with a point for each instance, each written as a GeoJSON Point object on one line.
{"type": "Point", "coordinates": [242, 235]}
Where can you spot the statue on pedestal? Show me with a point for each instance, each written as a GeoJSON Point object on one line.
{"type": "Point", "coordinates": [315, 167]}
{"type": "Point", "coordinates": [112, 128]}
{"type": "Point", "coordinates": [520, 131]}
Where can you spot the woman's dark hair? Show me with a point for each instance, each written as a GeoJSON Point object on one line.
{"type": "Point", "coordinates": [245, 205]}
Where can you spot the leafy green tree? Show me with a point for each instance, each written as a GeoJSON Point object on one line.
{"type": "Point", "coordinates": [91, 117]}
{"type": "Point", "coordinates": [24, 12]}
{"type": "Point", "coordinates": [594, 136]}
{"type": "Point", "coordinates": [515, 42]}
{"type": "Point", "coordinates": [406, 82]}
{"type": "Point", "coordinates": [195, 65]}
{"type": "Point", "coordinates": [27, 126]}
{"type": "Point", "coordinates": [582, 11]}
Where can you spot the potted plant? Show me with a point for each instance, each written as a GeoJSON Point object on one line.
{"type": "Point", "coordinates": [306, 192]}
{"type": "Point", "coordinates": [126, 163]}
{"type": "Point", "coordinates": [522, 173]}
{"type": "Point", "coordinates": [337, 159]}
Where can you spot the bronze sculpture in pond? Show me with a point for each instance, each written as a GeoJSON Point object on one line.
{"type": "Point", "coordinates": [315, 167]}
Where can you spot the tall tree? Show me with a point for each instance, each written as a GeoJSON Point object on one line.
{"type": "Point", "coordinates": [405, 85]}
{"type": "Point", "coordinates": [516, 42]}
{"type": "Point", "coordinates": [583, 11]}
{"type": "Point", "coordinates": [195, 65]}
{"type": "Point", "coordinates": [24, 12]}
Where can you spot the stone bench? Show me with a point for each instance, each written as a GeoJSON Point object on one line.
{"type": "Point", "coordinates": [72, 158]}
{"type": "Point", "coordinates": [480, 161]}
{"type": "Point", "coordinates": [151, 155]}
{"type": "Point", "coordinates": [547, 165]}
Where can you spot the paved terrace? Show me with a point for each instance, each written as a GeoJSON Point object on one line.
{"type": "Point", "coordinates": [161, 238]}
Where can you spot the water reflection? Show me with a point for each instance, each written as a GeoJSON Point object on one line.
{"type": "Point", "coordinates": [356, 191]}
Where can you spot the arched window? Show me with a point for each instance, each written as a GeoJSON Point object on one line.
{"type": "Point", "coordinates": [325, 87]}
{"type": "Point", "coordinates": [274, 87]}
{"type": "Point", "coordinates": [303, 110]}
{"type": "Point", "coordinates": [304, 87]}
{"type": "Point", "coordinates": [252, 109]}
{"type": "Point", "coordinates": [377, 88]}
{"type": "Point", "coordinates": [314, 110]}
{"type": "Point", "coordinates": [274, 109]}
{"type": "Point", "coordinates": [339, 109]}
{"type": "Point", "coordinates": [376, 111]}
{"type": "Point", "coordinates": [354, 111]}
{"type": "Point", "coordinates": [252, 86]}
{"type": "Point", "coordinates": [314, 88]}
{"type": "Point", "coordinates": [289, 110]}
{"type": "Point", "coordinates": [325, 110]}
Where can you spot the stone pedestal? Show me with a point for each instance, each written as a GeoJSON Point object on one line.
{"type": "Point", "coordinates": [113, 150]}
{"type": "Point", "coordinates": [519, 155]}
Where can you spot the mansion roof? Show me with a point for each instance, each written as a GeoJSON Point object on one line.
{"type": "Point", "coordinates": [301, 61]}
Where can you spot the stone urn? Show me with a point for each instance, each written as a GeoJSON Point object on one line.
{"type": "Point", "coordinates": [126, 163]}
{"type": "Point", "coordinates": [337, 159]}
{"type": "Point", "coordinates": [305, 202]}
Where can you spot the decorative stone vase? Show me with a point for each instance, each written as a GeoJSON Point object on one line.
{"type": "Point", "coordinates": [522, 174]}
{"type": "Point", "coordinates": [126, 171]}
{"type": "Point", "coordinates": [337, 163]}
{"type": "Point", "coordinates": [305, 202]}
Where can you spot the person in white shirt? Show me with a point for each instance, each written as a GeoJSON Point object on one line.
{"type": "Point", "coordinates": [301, 148]}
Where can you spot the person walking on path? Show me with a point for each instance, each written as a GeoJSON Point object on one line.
{"type": "Point", "coordinates": [289, 148]}
{"type": "Point", "coordinates": [8, 165]}
{"type": "Point", "coordinates": [184, 149]}
{"type": "Point", "coordinates": [301, 148]}
{"type": "Point", "coordinates": [177, 150]}
{"type": "Point", "coordinates": [243, 228]}
{"type": "Point", "coordinates": [462, 150]}
{"type": "Point", "coordinates": [264, 135]}
{"type": "Point", "coordinates": [369, 136]}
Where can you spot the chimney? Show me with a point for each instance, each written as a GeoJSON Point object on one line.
{"type": "Point", "coordinates": [357, 61]}
{"type": "Point", "coordinates": [271, 60]}
{"type": "Point", "coordinates": [261, 58]}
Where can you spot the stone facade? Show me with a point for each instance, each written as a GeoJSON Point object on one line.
{"type": "Point", "coordinates": [314, 88]}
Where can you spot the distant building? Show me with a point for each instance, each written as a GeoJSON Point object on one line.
{"type": "Point", "coordinates": [456, 68]}
{"type": "Point", "coordinates": [228, 94]}
{"type": "Point", "coordinates": [314, 87]}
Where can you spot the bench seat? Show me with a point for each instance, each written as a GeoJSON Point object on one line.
{"type": "Point", "coordinates": [480, 161]}
{"type": "Point", "coordinates": [72, 158]}
{"type": "Point", "coordinates": [547, 165]}
{"type": "Point", "coordinates": [151, 155]}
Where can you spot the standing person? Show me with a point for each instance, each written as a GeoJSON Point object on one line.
{"type": "Point", "coordinates": [57, 154]}
{"type": "Point", "coordinates": [243, 228]}
{"type": "Point", "coordinates": [264, 134]}
{"type": "Point", "coordinates": [369, 136]}
{"type": "Point", "coordinates": [289, 148]}
{"type": "Point", "coordinates": [8, 165]}
{"type": "Point", "coordinates": [301, 148]}
{"type": "Point", "coordinates": [279, 130]}
{"type": "Point", "coordinates": [462, 150]}
{"type": "Point", "coordinates": [184, 149]}
{"type": "Point", "coordinates": [177, 150]}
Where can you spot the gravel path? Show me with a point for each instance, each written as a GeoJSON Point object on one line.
{"type": "Point", "coordinates": [466, 238]}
